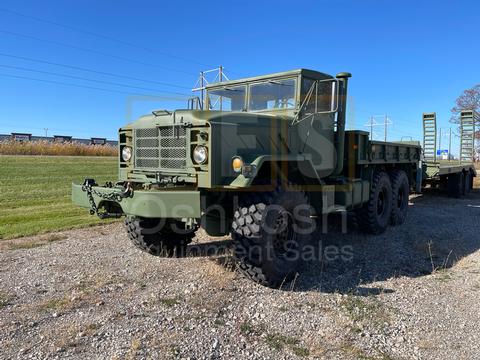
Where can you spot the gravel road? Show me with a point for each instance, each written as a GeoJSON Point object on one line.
{"type": "Point", "coordinates": [411, 293]}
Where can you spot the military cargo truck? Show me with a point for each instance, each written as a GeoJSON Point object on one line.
{"type": "Point", "coordinates": [259, 159]}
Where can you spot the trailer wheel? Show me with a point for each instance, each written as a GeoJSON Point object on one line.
{"type": "Point", "coordinates": [467, 187]}
{"type": "Point", "coordinates": [400, 193]}
{"type": "Point", "coordinates": [157, 237]}
{"type": "Point", "coordinates": [270, 231]}
{"type": "Point", "coordinates": [456, 184]}
{"type": "Point", "coordinates": [375, 215]}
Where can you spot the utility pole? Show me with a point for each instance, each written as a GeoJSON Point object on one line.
{"type": "Point", "coordinates": [202, 86]}
{"type": "Point", "coordinates": [386, 123]}
{"type": "Point", "coordinates": [440, 136]}
{"type": "Point", "coordinates": [371, 127]}
{"type": "Point", "coordinates": [46, 132]}
{"type": "Point", "coordinates": [220, 77]}
{"type": "Point", "coordinates": [440, 141]}
{"type": "Point", "coordinates": [450, 145]}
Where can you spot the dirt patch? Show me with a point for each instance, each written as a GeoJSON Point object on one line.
{"type": "Point", "coordinates": [32, 242]}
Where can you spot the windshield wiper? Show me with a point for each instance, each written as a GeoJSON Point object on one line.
{"type": "Point", "coordinates": [278, 83]}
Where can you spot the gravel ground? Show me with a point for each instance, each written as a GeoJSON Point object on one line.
{"type": "Point", "coordinates": [409, 293]}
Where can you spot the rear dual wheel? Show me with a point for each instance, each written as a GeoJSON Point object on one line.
{"type": "Point", "coordinates": [387, 203]}
{"type": "Point", "coordinates": [468, 183]}
{"type": "Point", "coordinates": [400, 193]}
{"type": "Point", "coordinates": [456, 185]}
{"type": "Point", "coordinates": [374, 217]}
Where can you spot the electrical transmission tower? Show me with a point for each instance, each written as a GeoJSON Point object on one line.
{"type": "Point", "coordinates": [207, 77]}
{"type": "Point", "coordinates": [378, 120]}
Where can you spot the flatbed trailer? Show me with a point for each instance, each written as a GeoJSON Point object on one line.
{"type": "Point", "coordinates": [435, 170]}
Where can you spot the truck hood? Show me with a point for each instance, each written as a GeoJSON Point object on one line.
{"type": "Point", "coordinates": [203, 118]}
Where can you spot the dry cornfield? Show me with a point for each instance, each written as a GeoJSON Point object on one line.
{"type": "Point", "coordinates": [42, 147]}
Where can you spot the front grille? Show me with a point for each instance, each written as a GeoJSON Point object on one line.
{"type": "Point", "coordinates": [164, 148]}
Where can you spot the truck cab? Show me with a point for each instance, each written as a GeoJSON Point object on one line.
{"type": "Point", "coordinates": [290, 114]}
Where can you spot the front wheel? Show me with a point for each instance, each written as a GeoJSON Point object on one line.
{"type": "Point", "coordinates": [270, 232]}
{"type": "Point", "coordinates": [159, 237]}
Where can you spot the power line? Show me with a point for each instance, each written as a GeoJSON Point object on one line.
{"type": "Point", "coordinates": [91, 70]}
{"type": "Point", "coordinates": [98, 35]}
{"type": "Point", "coordinates": [82, 86]}
{"type": "Point", "coordinates": [87, 79]}
{"type": "Point", "coordinates": [11, 33]}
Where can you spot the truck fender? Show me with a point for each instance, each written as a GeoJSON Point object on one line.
{"type": "Point", "coordinates": [245, 180]}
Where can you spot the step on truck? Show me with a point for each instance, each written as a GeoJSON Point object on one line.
{"type": "Point", "coordinates": [258, 158]}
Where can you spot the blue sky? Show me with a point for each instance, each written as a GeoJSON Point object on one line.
{"type": "Point", "coordinates": [406, 57]}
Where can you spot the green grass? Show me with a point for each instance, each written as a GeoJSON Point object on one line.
{"type": "Point", "coordinates": [4, 299]}
{"type": "Point", "coordinates": [278, 342]}
{"type": "Point", "coordinates": [35, 192]}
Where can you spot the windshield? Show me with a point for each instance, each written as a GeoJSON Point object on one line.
{"type": "Point", "coordinates": [227, 98]}
{"type": "Point", "coordinates": [273, 94]}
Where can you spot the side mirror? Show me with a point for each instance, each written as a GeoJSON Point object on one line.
{"type": "Point", "coordinates": [327, 96]}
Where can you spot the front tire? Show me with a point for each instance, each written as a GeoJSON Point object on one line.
{"type": "Point", "coordinates": [159, 237]}
{"type": "Point", "coordinates": [270, 231]}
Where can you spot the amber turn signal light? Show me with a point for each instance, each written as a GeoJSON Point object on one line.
{"type": "Point", "coordinates": [237, 164]}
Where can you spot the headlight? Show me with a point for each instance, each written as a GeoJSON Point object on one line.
{"type": "Point", "coordinates": [200, 154]}
{"type": "Point", "coordinates": [126, 153]}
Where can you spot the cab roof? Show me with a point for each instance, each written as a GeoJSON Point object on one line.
{"type": "Point", "coordinates": [316, 75]}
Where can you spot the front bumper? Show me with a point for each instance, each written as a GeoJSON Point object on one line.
{"type": "Point", "coordinates": [148, 204]}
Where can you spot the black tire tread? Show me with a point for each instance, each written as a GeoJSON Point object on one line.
{"type": "Point", "coordinates": [467, 188]}
{"type": "Point", "coordinates": [246, 233]}
{"type": "Point", "coordinates": [366, 215]}
{"type": "Point", "coordinates": [397, 177]}
{"type": "Point", "coordinates": [456, 185]}
{"type": "Point", "coordinates": [164, 244]}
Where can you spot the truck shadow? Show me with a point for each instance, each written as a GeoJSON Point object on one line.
{"type": "Point", "coordinates": [439, 232]}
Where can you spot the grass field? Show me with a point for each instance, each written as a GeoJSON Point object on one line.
{"type": "Point", "coordinates": [35, 192]}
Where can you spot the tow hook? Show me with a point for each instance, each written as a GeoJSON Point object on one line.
{"type": "Point", "coordinates": [128, 190]}
{"type": "Point", "coordinates": [88, 185]}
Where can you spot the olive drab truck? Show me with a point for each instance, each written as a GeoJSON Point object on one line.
{"type": "Point", "coordinates": [259, 158]}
